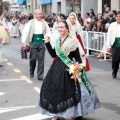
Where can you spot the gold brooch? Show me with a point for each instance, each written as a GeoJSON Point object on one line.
{"type": "Point", "coordinates": [38, 38]}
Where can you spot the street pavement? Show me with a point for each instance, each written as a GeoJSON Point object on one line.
{"type": "Point", "coordinates": [19, 93]}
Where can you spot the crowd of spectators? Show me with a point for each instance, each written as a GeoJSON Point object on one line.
{"type": "Point", "coordinates": [98, 23]}
{"type": "Point", "coordinates": [91, 22]}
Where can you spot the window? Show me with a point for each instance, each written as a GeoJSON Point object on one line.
{"type": "Point", "coordinates": [106, 5]}
{"type": "Point", "coordinates": [59, 7]}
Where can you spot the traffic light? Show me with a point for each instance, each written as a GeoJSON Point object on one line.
{"type": "Point", "coordinates": [24, 4]}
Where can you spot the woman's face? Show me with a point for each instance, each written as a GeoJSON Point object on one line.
{"type": "Point", "coordinates": [118, 18]}
{"type": "Point", "coordinates": [13, 18]}
{"type": "Point", "coordinates": [99, 17]}
{"type": "Point", "coordinates": [72, 19]}
{"type": "Point", "coordinates": [62, 29]}
{"type": "Point", "coordinates": [56, 19]}
{"type": "Point", "coordinates": [98, 24]}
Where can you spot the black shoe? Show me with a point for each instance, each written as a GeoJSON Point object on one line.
{"type": "Point", "coordinates": [114, 75]}
{"type": "Point", "coordinates": [40, 79]}
{"type": "Point", "coordinates": [79, 118]}
{"type": "Point", "coordinates": [31, 75]}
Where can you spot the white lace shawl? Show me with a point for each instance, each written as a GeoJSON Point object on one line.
{"type": "Point", "coordinates": [70, 44]}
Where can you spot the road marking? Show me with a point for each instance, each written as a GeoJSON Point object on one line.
{"type": "Point", "coordinates": [2, 93]}
{"type": "Point", "coordinates": [25, 78]}
{"type": "Point", "coordinates": [10, 64]}
{"type": "Point", "coordinates": [16, 70]}
{"type": "Point", "coordinates": [34, 117]}
{"type": "Point", "coordinates": [30, 117]}
{"type": "Point", "coordinates": [37, 89]}
{"type": "Point", "coordinates": [17, 79]}
{"type": "Point", "coordinates": [6, 80]}
{"type": "Point", "coordinates": [2, 71]}
{"type": "Point", "coordinates": [9, 109]}
{"type": "Point", "coordinates": [5, 59]}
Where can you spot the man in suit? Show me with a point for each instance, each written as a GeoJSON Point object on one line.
{"type": "Point", "coordinates": [113, 41]}
{"type": "Point", "coordinates": [35, 30]}
{"type": "Point", "coordinates": [111, 19]}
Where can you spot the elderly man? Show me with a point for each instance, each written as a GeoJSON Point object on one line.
{"type": "Point", "coordinates": [35, 30]}
{"type": "Point", "coordinates": [113, 39]}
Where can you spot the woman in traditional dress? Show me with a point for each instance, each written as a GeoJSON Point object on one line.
{"type": "Point", "coordinates": [55, 32]}
{"type": "Point", "coordinates": [4, 37]}
{"type": "Point", "coordinates": [14, 30]}
{"type": "Point", "coordinates": [76, 28]}
{"type": "Point", "coordinates": [22, 26]}
{"type": "Point", "coordinates": [4, 31]}
{"type": "Point", "coordinates": [1, 54]}
{"type": "Point", "coordinates": [55, 25]}
{"type": "Point", "coordinates": [74, 24]}
{"type": "Point", "coordinates": [63, 93]}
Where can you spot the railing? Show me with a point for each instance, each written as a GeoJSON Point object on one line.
{"type": "Point", "coordinates": [95, 41]}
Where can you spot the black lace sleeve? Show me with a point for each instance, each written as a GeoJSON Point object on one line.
{"type": "Point", "coordinates": [76, 55]}
{"type": "Point", "coordinates": [50, 50]}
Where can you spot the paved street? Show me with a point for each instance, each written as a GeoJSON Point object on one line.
{"type": "Point", "coordinates": [19, 93]}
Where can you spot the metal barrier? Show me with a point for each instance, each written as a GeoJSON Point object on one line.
{"type": "Point", "coordinates": [95, 41]}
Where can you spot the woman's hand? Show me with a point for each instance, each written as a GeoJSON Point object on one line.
{"type": "Point", "coordinates": [109, 50]}
{"type": "Point", "coordinates": [47, 38]}
{"type": "Point", "coordinates": [78, 66]}
{"type": "Point", "coordinates": [24, 44]}
{"type": "Point", "coordinates": [75, 67]}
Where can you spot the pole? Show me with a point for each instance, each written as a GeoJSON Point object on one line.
{"type": "Point", "coordinates": [40, 6]}
{"type": "Point", "coordinates": [73, 6]}
{"type": "Point", "coordinates": [1, 7]}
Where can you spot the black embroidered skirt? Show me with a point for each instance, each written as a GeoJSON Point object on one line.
{"type": "Point", "coordinates": [59, 91]}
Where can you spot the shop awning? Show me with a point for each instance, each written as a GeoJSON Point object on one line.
{"type": "Point", "coordinates": [45, 1]}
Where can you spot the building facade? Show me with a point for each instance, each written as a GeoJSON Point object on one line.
{"type": "Point", "coordinates": [66, 6]}
{"type": "Point", "coordinates": [44, 5]}
{"type": "Point", "coordinates": [83, 6]}
{"type": "Point", "coordinates": [59, 6]}
{"type": "Point", "coordinates": [32, 5]}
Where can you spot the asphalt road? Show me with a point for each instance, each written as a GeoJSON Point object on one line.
{"type": "Point", "coordinates": [19, 93]}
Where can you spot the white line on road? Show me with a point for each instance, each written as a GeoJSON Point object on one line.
{"type": "Point", "coordinates": [5, 59]}
{"type": "Point", "coordinates": [37, 89]}
{"type": "Point", "coordinates": [2, 93]}
{"type": "Point", "coordinates": [2, 72]}
{"type": "Point", "coordinates": [7, 80]}
{"type": "Point", "coordinates": [3, 110]}
{"type": "Point", "coordinates": [25, 78]}
{"type": "Point", "coordinates": [34, 117]}
{"type": "Point", "coordinates": [17, 79]}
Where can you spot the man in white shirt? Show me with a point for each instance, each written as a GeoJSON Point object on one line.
{"type": "Point", "coordinates": [113, 39]}
{"type": "Point", "coordinates": [35, 30]}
